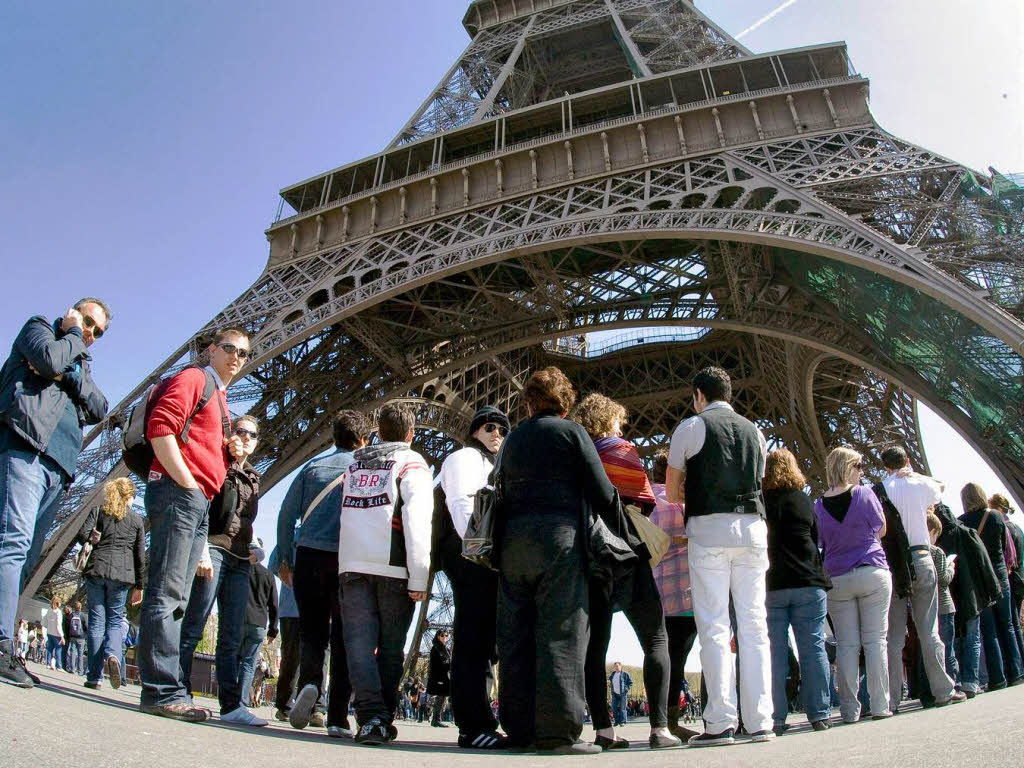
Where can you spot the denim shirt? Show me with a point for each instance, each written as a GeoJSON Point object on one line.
{"type": "Point", "coordinates": [320, 531]}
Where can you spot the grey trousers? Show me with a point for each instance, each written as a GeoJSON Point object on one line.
{"type": "Point", "coordinates": [924, 605]}
{"type": "Point", "coordinates": [859, 606]}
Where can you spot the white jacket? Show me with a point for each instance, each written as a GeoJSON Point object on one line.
{"type": "Point", "coordinates": [463, 474]}
{"type": "Point", "coordinates": [386, 511]}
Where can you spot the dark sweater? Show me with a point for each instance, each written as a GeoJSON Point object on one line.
{"type": "Point", "coordinates": [793, 556]}
{"type": "Point", "coordinates": [262, 607]}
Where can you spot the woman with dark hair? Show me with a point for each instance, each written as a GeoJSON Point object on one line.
{"type": "Point", "coordinates": [474, 588]}
{"type": "Point", "coordinates": [548, 470]}
{"type": "Point", "coordinates": [603, 419]}
{"type": "Point", "coordinates": [439, 683]}
{"type": "Point", "coordinates": [1002, 656]}
{"type": "Point", "coordinates": [796, 583]}
{"type": "Point", "coordinates": [117, 564]}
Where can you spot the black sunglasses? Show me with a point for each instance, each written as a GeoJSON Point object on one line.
{"type": "Point", "coordinates": [97, 329]}
{"type": "Point", "coordinates": [231, 349]}
{"type": "Point", "coordinates": [488, 428]}
{"type": "Point", "coordinates": [243, 432]}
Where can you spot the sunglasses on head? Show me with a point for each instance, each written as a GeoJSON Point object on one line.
{"type": "Point", "coordinates": [97, 329]}
{"type": "Point", "coordinates": [231, 349]}
{"type": "Point", "coordinates": [489, 428]}
{"type": "Point", "coordinates": [243, 432]}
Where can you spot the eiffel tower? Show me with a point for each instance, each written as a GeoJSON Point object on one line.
{"type": "Point", "coordinates": [626, 166]}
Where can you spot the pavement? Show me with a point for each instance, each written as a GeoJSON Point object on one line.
{"type": "Point", "coordinates": [61, 723]}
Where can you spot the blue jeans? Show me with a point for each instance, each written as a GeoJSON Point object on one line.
{"type": "Point", "coordinates": [619, 708]}
{"type": "Point", "coordinates": [230, 588]}
{"type": "Point", "coordinates": [253, 636]}
{"type": "Point", "coordinates": [804, 608]}
{"type": "Point", "coordinates": [969, 655]}
{"type": "Point", "coordinates": [179, 520]}
{"type": "Point", "coordinates": [106, 617]}
{"type": "Point", "coordinates": [1002, 656]}
{"type": "Point", "coordinates": [30, 493]}
{"type": "Point", "coordinates": [54, 650]}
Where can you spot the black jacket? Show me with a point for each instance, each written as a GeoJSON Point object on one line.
{"type": "Point", "coordinates": [120, 554]}
{"type": "Point", "coordinates": [975, 585]}
{"type": "Point", "coordinates": [31, 404]}
{"type": "Point", "coordinates": [233, 510]}
{"type": "Point", "coordinates": [262, 607]}
{"type": "Point", "coordinates": [440, 683]}
{"type": "Point", "coordinates": [896, 545]}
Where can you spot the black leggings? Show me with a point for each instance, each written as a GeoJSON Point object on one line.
{"type": "Point", "coordinates": [648, 621]}
{"type": "Point", "coordinates": [682, 631]}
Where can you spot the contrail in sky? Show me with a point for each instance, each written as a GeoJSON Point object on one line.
{"type": "Point", "coordinates": [762, 20]}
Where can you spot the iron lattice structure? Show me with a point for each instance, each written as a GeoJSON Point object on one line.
{"type": "Point", "coordinates": [624, 164]}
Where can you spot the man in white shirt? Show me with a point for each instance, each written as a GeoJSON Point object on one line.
{"type": "Point", "coordinates": [912, 495]}
{"type": "Point", "coordinates": [715, 464]}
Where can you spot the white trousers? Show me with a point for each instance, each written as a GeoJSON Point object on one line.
{"type": "Point", "coordinates": [715, 574]}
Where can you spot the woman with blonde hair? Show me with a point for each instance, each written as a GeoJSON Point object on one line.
{"type": "Point", "coordinates": [116, 565]}
{"type": "Point", "coordinates": [1002, 655]}
{"type": "Point", "coordinates": [53, 624]}
{"type": "Point", "coordinates": [797, 584]}
{"type": "Point", "coordinates": [851, 523]}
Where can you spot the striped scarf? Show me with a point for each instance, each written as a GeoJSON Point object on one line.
{"type": "Point", "coordinates": [626, 472]}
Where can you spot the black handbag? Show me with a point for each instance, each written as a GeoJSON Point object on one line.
{"type": "Point", "coordinates": [480, 544]}
{"type": "Point", "coordinates": [610, 556]}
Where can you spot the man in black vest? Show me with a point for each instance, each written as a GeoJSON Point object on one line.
{"type": "Point", "coordinates": [715, 464]}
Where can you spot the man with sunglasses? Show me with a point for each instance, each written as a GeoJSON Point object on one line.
{"type": "Point", "coordinates": [184, 477]}
{"type": "Point", "coordinates": [474, 588]}
{"type": "Point", "coordinates": [46, 396]}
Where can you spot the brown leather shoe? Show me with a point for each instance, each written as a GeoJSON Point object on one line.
{"type": "Point", "coordinates": [177, 711]}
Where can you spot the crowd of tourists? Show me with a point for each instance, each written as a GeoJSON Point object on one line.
{"type": "Point", "coordinates": [721, 541]}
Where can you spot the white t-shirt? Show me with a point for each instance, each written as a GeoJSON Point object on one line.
{"type": "Point", "coordinates": [616, 682]}
{"type": "Point", "coordinates": [720, 529]}
{"type": "Point", "coordinates": [912, 496]}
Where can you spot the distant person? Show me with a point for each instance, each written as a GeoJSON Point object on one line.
{"type": "Point", "coordinates": [259, 623]}
{"type": "Point", "coordinates": [78, 626]}
{"type": "Point", "coordinates": [53, 626]}
{"type": "Point", "coordinates": [621, 683]}
{"type": "Point", "coordinates": [439, 681]}
{"type": "Point", "coordinates": [945, 571]}
{"type": "Point", "coordinates": [1015, 574]}
{"type": "Point", "coordinates": [46, 396]}
{"type": "Point", "coordinates": [184, 477]}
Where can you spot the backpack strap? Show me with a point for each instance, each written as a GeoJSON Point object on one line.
{"type": "Point", "coordinates": [209, 388]}
{"type": "Point", "coordinates": [323, 495]}
{"type": "Point", "coordinates": [984, 519]}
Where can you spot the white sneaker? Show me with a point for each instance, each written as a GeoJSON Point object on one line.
{"type": "Point", "coordinates": [243, 716]}
{"type": "Point", "coordinates": [337, 732]}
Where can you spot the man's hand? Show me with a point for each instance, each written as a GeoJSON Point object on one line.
{"type": "Point", "coordinates": [205, 568]}
{"type": "Point", "coordinates": [72, 319]}
{"type": "Point", "coordinates": [235, 448]}
{"type": "Point", "coordinates": [62, 641]}
{"type": "Point", "coordinates": [418, 597]}
{"type": "Point", "coordinates": [284, 572]}
{"type": "Point", "coordinates": [136, 598]}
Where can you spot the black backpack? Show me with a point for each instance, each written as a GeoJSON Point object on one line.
{"type": "Point", "coordinates": [136, 451]}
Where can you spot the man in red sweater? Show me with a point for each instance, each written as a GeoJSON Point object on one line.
{"type": "Point", "coordinates": [184, 477]}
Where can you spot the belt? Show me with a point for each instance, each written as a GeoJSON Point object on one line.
{"type": "Point", "coordinates": [920, 548]}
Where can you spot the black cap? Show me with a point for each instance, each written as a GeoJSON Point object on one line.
{"type": "Point", "coordinates": [488, 415]}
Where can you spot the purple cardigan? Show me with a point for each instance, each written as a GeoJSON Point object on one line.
{"type": "Point", "coordinates": [853, 542]}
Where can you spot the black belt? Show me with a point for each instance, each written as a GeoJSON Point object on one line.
{"type": "Point", "coordinates": [920, 548]}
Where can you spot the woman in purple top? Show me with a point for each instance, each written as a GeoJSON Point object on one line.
{"type": "Point", "coordinates": [851, 523]}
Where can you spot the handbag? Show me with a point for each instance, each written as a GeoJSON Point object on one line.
{"type": "Point", "coordinates": [479, 545]}
{"type": "Point", "coordinates": [81, 560]}
{"type": "Point", "coordinates": [656, 540]}
{"type": "Point", "coordinates": [609, 556]}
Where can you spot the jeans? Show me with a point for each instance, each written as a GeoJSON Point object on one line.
{"type": "Point", "coordinates": [1015, 619]}
{"type": "Point", "coordinates": [315, 584]}
{"type": "Point", "coordinates": [253, 636]}
{"type": "Point", "coordinates": [715, 574]}
{"type": "Point", "coordinates": [859, 607]}
{"type": "Point", "coordinates": [106, 617]}
{"type": "Point", "coordinates": [76, 655]}
{"type": "Point", "coordinates": [924, 605]}
{"type": "Point", "coordinates": [179, 521]}
{"type": "Point", "coordinates": [804, 608]}
{"type": "Point", "coordinates": [1002, 657]}
{"type": "Point", "coordinates": [947, 628]}
{"type": "Point", "coordinates": [969, 655]}
{"type": "Point", "coordinates": [229, 587]}
{"type": "Point", "coordinates": [542, 630]}
{"type": "Point", "coordinates": [30, 493]}
{"type": "Point", "coordinates": [54, 650]}
{"type": "Point", "coordinates": [619, 716]}
{"type": "Point", "coordinates": [289, 668]}
{"type": "Point", "coordinates": [376, 613]}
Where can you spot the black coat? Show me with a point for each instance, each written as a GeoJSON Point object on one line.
{"type": "Point", "coordinates": [32, 404]}
{"type": "Point", "coordinates": [896, 545]}
{"type": "Point", "coordinates": [233, 511]}
{"type": "Point", "coordinates": [440, 682]}
{"type": "Point", "coordinates": [975, 585]}
{"type": "Point", "coordinates": [120, 554]}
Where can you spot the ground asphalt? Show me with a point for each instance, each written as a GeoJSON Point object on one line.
{"type": "Point", "coordinates": [61, 723]}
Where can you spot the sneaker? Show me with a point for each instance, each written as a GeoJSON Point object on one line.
{"type": "Point", "coordinates": [713, 739]}
{"type": "Point", "coordinates": [177, 711]}
{"type": "Point", "coordinates": [339, 732]}
{"type": "Point", "coordinates": [317, 719]}
{"type": "Point", "coordinates": [12, 668]}
{"type": "Point", "coordinates": [302, 707]}
{"type": "Point", "coordinates": [761, 736]}
{"type": "Point", "coordinates": [93, 684]}
{"type": "Point", "coordinates": [488, 740]}
{"type": "Point", "coordinates": [113, 666]}
{"type": "Point", "coordinates": [373, 733]}
{"type": "Point", "coordinates": [281, 715]}
{"type": "Point", "coordinates": [243, 716]}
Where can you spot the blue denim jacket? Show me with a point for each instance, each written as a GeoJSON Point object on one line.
{"type": "Point", "coordinates": [320, 531]}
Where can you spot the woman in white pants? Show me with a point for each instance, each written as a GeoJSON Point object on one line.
{"type": "Point", "coordinates": [851, 523]}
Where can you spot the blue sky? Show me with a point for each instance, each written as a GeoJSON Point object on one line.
{"type": "Point", "coordinates": [142, 144]}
